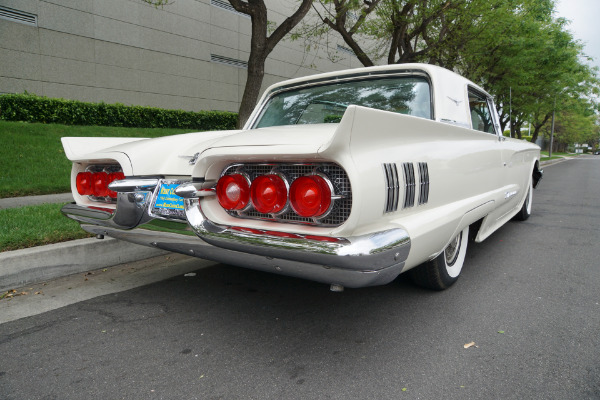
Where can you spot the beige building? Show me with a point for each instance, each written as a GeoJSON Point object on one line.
{"type": "Point", "coordinates": [188, 55]}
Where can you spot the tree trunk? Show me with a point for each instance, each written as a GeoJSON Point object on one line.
{"type": "Point", "coordinates": [256, 72]}
{"type": "Point", "coordinates": [261, 46]}
{"type": "Point", "coordinates": [538, 127]}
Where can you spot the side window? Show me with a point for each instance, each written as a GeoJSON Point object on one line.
{"type": "Point", "coordinates": [481, 116]}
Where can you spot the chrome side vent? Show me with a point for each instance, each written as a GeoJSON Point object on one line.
{"type": "Point", "coordinates": [228, 61]}
{"type": "Point", "coordinates": [409, 184]}
{"type": "Point", "coordinates": [423, 183]}
{"type": "Point", "coordinates": [392, 184]}
{"type": "Point", "coordinates": [18, 16]}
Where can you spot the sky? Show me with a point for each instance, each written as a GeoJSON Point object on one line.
{"type": "Point", "coordinates": [584, 25]}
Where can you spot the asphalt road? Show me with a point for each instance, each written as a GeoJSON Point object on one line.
{"type": "Point", "coordinates": [528, 297]}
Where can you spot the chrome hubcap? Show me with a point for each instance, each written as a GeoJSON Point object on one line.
{"type": "Point", "coordinates": [451, 252]}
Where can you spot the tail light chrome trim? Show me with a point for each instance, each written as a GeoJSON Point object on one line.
{"type": "Point", "coordinates": [335, 177]}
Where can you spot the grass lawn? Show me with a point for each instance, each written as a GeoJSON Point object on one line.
{"type": "Point", "coordinates": [557, 153]}
{"type": "Point", "coordinates": [32, 159]}
{"type": "Point", "coordinates": [35, 226]}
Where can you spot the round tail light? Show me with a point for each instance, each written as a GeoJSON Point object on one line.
{"type": "Point", "coordinates": [84, 183]}
{"type": "Point", "coordinates": [310, 196]}
{"type": "Point", "coordinates": [100, 184]}
{"type": "Point", "coordinates": [114, 176]}
{"type": "Point", "coordinates": [233, 192]}
{"type": "Point", "coordinates": [269, 194]}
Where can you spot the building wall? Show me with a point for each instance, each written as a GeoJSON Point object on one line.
{"type": "Point", "coordinates": [129, 52]}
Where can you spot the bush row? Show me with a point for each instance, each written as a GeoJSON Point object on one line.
{"type": "Point", "coordinates": [32, 108]}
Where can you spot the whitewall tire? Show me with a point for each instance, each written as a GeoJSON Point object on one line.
{"type": "Point", "coordinates": [441, 272]}
{"type": "Point", "coordinates": [525, 211]}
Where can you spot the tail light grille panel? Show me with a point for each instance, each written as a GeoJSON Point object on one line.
{"type": "Point", "coordinates": [342, 205]}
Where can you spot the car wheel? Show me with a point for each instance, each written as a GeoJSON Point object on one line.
{"type": "Point", "coordinates": [525, 211]}
{"type": "Point", "coordinates": [441, 272]}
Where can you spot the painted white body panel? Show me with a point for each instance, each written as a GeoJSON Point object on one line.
{"type": "Point", "coordinates": [473, 176]}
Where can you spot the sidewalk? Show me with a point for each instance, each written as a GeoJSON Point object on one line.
{"type": "Point", "coordinates": [14, 202]}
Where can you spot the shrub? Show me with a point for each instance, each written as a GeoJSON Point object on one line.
{"type": "Point", "coordinates": [32, 108]}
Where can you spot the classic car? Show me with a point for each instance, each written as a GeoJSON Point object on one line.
{"type": "Point", "coordinates": [347, 178]}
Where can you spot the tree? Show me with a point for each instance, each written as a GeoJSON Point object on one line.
{"type": "Point", "coordinates": [576, 122]}
{"type": "Point", "coordinates": [261, 45]}
{"type": "Point", "coordinates": [395, 30]}
{"type": "Point", "coordinates": [515, 49]}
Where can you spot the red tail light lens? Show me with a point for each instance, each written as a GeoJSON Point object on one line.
{"type": "Point", "coordinates": [233, 192]}
{"type": "Point", "coordinates": [269, 194]}
{"type": "Point", "coordinates": [310, 196]}
{"type": "Point", "coordinates": [114, 176]}
{"type": "Point", "coordinates": [84, 183]}
{"type": "Point", "coordinates": [100, 184]}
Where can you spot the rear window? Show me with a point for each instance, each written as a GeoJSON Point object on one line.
{"type": "Point", "coordinates": [327, 103]}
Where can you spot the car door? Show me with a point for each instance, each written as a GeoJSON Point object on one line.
{"type": "Point", "coordinates": [484, 118]}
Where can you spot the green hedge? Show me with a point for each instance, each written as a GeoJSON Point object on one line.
{"type": "Point", "coordinates": [33, 108]}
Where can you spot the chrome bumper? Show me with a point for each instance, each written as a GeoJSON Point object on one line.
{"type": "Point", "coordinates": [373, 259]}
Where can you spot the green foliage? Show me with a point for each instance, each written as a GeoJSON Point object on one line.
{"type": "Point", "coordinates": [515, 49]}
{"type": "Point", "coordinates": [36, 225]}
{"type": "Point", "coordinates": [33, 108]}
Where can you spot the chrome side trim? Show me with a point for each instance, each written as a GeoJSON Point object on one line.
{"type": "Point", "coordinates": [409, 184]}
{"type": "Point", "coordinates": [392, 183]}
{"type": "Point", "coordinates": [423, 183]}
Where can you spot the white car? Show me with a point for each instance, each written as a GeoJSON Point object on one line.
{"type": "Point", "coordinates": [348, 178]}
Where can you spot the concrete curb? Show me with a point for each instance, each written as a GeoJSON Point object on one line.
{"type": "Point", "coordinates": [27, 266]}
{"type": "Point", "coordinates": [552, 162]}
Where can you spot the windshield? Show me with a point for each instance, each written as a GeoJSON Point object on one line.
{"type": "Point", "coordinates": [326, 103]}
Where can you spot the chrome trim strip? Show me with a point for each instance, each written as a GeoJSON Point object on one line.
{"type": "Point", "coordinates": [423, 183]}
{"type": "Point", "coordinates": [409, 184]}
{"type": "Point", "coordinates": [392, 187]}
{"type": "Point", "coordinates": [131, 185]}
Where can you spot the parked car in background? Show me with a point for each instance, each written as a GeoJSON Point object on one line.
{"type": "Point", "coordinates": [348, 178]}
